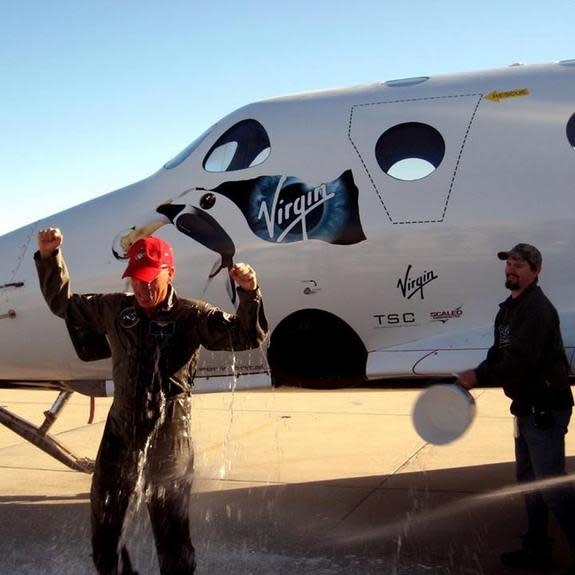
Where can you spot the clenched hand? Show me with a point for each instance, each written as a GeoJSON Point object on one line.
{"type": "Point", "coordinates": [49, 240]}
{"type": "Point", "coordinates": [245, 276]}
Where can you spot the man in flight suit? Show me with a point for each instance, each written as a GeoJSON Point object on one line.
{"type": "Point", "coordinates": [528, 360]}
{"type": "Point", "coordinates": [154, 338]}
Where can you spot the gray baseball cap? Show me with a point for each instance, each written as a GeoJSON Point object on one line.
{"type": "Point", "coordinates": [525, 252]}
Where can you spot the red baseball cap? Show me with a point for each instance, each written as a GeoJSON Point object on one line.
{"type": "Point", "coordinates": [148, 257]}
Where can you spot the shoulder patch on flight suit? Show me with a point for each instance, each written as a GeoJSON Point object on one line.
{"type": "Point", "coordinates": [129, 317]}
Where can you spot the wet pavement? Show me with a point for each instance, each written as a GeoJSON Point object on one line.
{"type": "Point", "coordinates": [287, 482]}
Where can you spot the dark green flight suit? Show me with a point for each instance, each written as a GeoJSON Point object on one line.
{"type": "Point", "coordinates": [147, 433]}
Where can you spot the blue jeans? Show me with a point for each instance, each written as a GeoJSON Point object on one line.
{"type": "Point", "coordinates": [540, 454]}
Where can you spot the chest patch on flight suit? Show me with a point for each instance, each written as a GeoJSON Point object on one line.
{"type": "Point", "coordinates": [129, 317]}
{"type": "Point", "coordinates": [162, 328]}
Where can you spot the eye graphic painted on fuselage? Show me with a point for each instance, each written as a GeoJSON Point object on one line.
{"type": "Point", "coordinates": [285, 209]}
{"type": "Point", "coordinates": [207, 201]}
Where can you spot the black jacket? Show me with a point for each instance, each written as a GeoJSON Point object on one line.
{"type": "Point", "coordinates": [527, 358]}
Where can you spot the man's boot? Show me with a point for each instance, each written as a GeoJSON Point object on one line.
{"type": "Point", "coordinates": [533, 554]}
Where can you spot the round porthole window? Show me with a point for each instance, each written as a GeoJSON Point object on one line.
{"type": "Point", "coordinates": [410, 151]}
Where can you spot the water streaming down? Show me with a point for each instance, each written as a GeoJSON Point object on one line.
{"type": "Point", "coordinates": [218, 266]}
{"type": "Point", "coordinates": [227, 459]}
{"type": "Point", "coordinates": [226, 262]}
{"type": "Point", "coordinates": [136, 534]}
{"type": "Point", "coordinates": [136, 521]}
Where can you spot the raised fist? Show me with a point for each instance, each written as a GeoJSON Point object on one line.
{"type": "Point", "coordinates": [49, 240]}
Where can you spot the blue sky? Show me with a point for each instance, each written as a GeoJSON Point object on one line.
{"type": "Point", "coordinates": [97, 94]}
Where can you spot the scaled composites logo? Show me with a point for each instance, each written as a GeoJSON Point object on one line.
{"type": "Point", "coordinates": [445, 315]}
{"type": "Point", "coordinates": [285, 209]}
{"type": "Point", "coordinates": [411, 284]}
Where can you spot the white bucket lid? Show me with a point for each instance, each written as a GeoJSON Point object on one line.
{"type": "Point", "coordinates": [442, 413]}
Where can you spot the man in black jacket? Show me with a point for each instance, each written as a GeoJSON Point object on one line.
{"type": "Point", "coordinates": [528, 360]}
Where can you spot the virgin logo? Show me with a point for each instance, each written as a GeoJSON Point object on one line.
{"type": "Point", "coordinates": [293, 212]}
{"type": "Point", "coordinates": [410, 285]}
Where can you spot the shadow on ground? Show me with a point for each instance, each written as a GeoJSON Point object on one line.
{"type": "Point", "coordinates": [327, 527]}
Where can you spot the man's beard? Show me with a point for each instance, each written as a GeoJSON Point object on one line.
{"type": "Point", "coordinates": [511, 283]}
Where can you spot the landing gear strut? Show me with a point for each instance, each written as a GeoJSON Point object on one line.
{"type": "Point", "coordinates": [40, 438]}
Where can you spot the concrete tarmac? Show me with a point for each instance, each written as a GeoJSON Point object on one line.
{"type": "Point", "coordinates": [287, 482]}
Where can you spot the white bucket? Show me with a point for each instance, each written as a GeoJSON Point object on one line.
{"type": "Point", "coordinates": [442, 413]}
